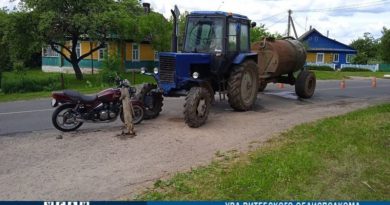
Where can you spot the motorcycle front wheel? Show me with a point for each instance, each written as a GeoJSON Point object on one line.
{"type": "Point", "coordinates": [64, 118]}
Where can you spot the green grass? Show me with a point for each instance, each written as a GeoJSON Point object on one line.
{"type": "Point", "coordinates": [334, 75]}
{"type": "Point", "coordinates": [90, 84]}
{"type": "Point", "coordinates": [338, 158]}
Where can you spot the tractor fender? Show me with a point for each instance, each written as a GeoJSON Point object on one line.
{"type": "Point", "coordinates": [240, 58]}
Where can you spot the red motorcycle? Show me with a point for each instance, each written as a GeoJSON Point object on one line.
{"type": "Point", "coordinates": [75, 108]}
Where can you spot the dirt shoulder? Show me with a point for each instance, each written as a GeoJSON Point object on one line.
{"type": "Point", "coordinates": [96, 164]}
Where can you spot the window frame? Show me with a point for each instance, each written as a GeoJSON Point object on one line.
{"type": "Point", "coordinates": [323, 57]}
{"type": "Point", "coordinates": [138, 52]}
{"type": "Point", "coordinates": [348, 58]}
{"type": "Point", "coordinates": [334, 57]}
{"type": "Point", "coordinates": [49, 52]}
{"type": "Point", "coordinates": [156, 56]}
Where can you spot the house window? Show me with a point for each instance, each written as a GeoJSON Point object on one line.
{"type": "Point", "coordinates": [335, 57]}
{"type": "Point", "coordinates": [349, 58]}
{"type": "Point", "coordinates": [135, 52]}
{"type": "Point", "coordinates": [320, 58]}
{"type": "Point", "coordinates": [155, 55]}
{"type": "Point", "coordinates": [49, 52]}
{"type": "Point", "coordinates": [102, 53]}
{"type": "Point", "coordinates": [78, 50]}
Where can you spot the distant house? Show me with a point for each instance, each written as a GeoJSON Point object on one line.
{"type": "Point", "coordinates": [132, 55]}
{"type": "Point", "coordinates": [323, 50]}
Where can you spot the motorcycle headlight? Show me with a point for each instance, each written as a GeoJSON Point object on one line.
{"type": "Point", "coordinates": [143, 70]}
{"type": "Point", "coordinates": [155, 70]}
{"type": "Point", "coordinates": [195, 75]}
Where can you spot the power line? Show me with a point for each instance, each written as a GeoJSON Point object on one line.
{"type": "Point", "coordinates": [346, 7]}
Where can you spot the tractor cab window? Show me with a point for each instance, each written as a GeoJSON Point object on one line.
{"type": "Point", "coordinates": [244, 38]}
{"type": "Point", "coordinates": [232, 36]}
{"type": "Point", "coordinates": [204, 35]}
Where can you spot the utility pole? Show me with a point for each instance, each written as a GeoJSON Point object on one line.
{"type": "Point", "coordinates": [291, 23]}
{"type": "Point", "coordinates": [288, 22]}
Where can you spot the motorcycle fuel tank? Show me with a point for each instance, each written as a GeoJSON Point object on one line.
{"type": "Point", "coordinates": [109, 95]}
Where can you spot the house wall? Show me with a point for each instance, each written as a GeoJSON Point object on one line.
{"type": "Point", "coordinates": [122, 50]}
{"type": "Point", "coordinates": [328, 58]}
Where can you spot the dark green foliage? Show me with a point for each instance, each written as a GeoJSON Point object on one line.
{"type": "Point", "coordinates": [367, 49]}
{"type": "Point", "coordinates": [385, 45]}
{"type": "Point", "coordinates": [21, 83]}
{"type": "Point", "coordinates": [322, 68]}
{"type": "Point", "coordinates": [111, 66]}
{"type": "Point", "coordinates": [351, 69]}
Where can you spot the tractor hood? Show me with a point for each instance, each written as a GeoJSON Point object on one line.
{"type": "Point", "coordinates": [175, 68]}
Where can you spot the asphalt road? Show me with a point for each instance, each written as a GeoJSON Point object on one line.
{"type": "Point", "coordinates": [35, 115]}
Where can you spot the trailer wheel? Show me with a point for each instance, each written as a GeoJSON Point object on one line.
{"type": "Point", "coordinates": [305, 84]}
{"type": "Point", "coordinates": [197, 107]}
{"type": "Point", "coordinates": [153, 101]}
{"type": "Point", "coordinates": [243, 86]}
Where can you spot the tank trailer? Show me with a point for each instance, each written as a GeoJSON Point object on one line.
{"type": "Point", "coordinates": [217, 57]}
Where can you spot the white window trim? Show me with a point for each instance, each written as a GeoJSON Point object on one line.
{"type": "Point", "coordinates": [104, 53]}
{"type": "Point", "coordinates": [56, 55]}
{"type": "Point", "coordinates": [323, 58]}
{"type": "Point", "coordinates": [338, 57]}
{"type": "Point", "coordinates": [346, 57]}
{"type": "Point", "coordinates": [81, 50]}
{"type": "Point", "coordinates": [155, 55]}
{"type": "Point", "coordinates": [132, 52]}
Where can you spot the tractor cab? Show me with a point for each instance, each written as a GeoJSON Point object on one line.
{"type": "Point", "coordinates": [213, 41]}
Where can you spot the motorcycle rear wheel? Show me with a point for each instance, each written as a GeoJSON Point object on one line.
{"type": "Point", "coordinates": [138, 114]}
{"type": "Point", "coordinates": [68, 116]}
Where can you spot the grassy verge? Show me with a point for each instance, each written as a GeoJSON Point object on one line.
{"type": "Point", "coordinates": [90, 84]}
{"type": "Point", "coordinates": [339, 158]}
{"type": "Point", "coordinates": [332, 75]}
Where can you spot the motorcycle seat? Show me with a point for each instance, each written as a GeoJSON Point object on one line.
{"type": "Point", "coordinates": [78, 96]}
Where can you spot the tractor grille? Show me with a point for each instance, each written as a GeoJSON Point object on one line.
{"type": "Point", "coordinates": [167, 69]}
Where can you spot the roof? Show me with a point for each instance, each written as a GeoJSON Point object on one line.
{"type": "Point", "coordinates": [219, 13]}
{"type": "Point", "coordinates": [325, 44]}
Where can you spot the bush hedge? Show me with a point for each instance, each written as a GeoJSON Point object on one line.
{"type": "Point", "coordinates": [321, 68]}
{"type": "Point", "coordinates": [351, 69]}
{"type": "Point", "coordinates": [21, 83]}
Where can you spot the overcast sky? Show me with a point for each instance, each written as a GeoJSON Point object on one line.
{"type": "Point", "coordinates": [345, 20]}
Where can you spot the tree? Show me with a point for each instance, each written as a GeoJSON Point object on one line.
{"type": "Point", "coordinates": [156, 29]}
{"type": "Point", "coordinates": [384, 46]}
{"type": "Point", "coordinates": [258, 33]}
{"type": "Point", "coordinates": [23, 41]}
{"type": "Point", "coordinates": [367, 49]}
{"type": "Point", "coordinates": [96, 20]}
{"type": "Point", "coordinates": [4, 54]}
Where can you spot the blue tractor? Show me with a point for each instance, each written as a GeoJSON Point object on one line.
{"type": "Point", "coordinates": [216, 57]}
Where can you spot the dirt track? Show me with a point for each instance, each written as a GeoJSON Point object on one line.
{"type": "Point", "coordinates": [95, 164]}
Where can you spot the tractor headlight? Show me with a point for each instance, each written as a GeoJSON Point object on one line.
{"type": "Point", "coordinates": [155, 70]}
{"type": "Point", "coordinates": [143, 70]}
{"type": "Point", "coordinates": [195, 75]}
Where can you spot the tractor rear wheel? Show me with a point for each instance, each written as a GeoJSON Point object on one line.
{"type": "Point", "coordinates": [305, 84]}
{"type": "Point", "coordinates": [153, 102]}
{"type": "Point", "coordinates": [197, 107]}
{"type": "Point", "coordinates": [243, 86]}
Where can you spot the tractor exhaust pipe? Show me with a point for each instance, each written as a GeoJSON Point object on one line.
{"type": "Point", "coordinates": [174, 33]}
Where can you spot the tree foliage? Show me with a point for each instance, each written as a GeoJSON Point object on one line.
{"type": "Point", "coordinates": [385, 45]}
{"type": "Point", "coordinates": [5, 62]}
{"type": "Point", "coordinates": [260, 32]}
{"type": "Point", "coordinates": [95, 20]}
{"type": "Point", "coordinates": [367, 49]}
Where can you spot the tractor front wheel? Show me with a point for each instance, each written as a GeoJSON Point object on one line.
{"type": "Point", "coordinates": [197, 107]}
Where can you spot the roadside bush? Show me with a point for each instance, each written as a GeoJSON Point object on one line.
{"type": "Point", "coordinates": [21, 83]}
{"type": "Point", "coordinates": [320, 68]}
{"type": "Point", "coordinates": [110, 67]}
{"type": "Point", "coordinates": [351, 69]}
